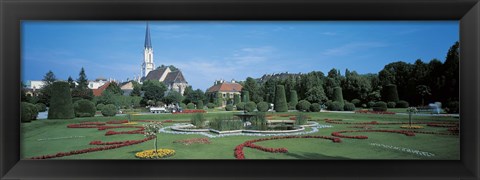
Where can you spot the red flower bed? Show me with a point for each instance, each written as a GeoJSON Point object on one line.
{"type": "Point", "coordinates": [442, 125]}
{"type": "Point", "coordinates": [238, 151]}
{"type": "Point", "coordinates": [106, 145]}
{"type": "Point", "coordinates": [117, 122]}
{"type": "Point", "coordinates": [188, 111]}
{"type": "Point", "coordinates": [434, 124]}
{"type": "Point", "coordinates": [338, 133]}
{"type": "Point", "coordinates": [284, 115]}
{"type": "Point", "coordinates": [193, 141]}
{"type": "Point", "coordinates": [145, 120]}
{"type": "Point", "coordinates": [110, 145]}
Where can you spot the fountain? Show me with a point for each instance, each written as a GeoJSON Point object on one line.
{"type": "Point", "coordinates": [244, 116]}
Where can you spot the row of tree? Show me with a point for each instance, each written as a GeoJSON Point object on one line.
{"type": "Point", "coordinates": [416, 83]}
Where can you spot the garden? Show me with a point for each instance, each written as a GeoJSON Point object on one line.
{"type": "Point", "coordinates": [336, 136]}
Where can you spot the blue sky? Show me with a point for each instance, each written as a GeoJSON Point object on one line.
{"type": "Point", "coordinates": [210, 50]}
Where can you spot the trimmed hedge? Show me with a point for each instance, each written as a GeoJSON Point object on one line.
{"type": "Point", "coordinates": [109, 110]}
{"type": "Point", "coordinates": [29, 112]}
{"type": "Point", "coordinates": [315, 107]}
{"type": "Point", "coordinates": [236, 99]}
{"type": "Point", "coordinates": [190, 106]}
{"type": "Point", "coordinates": [100, 106]}
{"type": "Point", "coordinates": [453, 107]}
{"type": "Point", "coordinates": [61, 106]}
{"type": "Point", "coordinates": [303, 105]}
{"type": "Point", "coordinates": [262, 106]}
{"type": "Point", "coordinates": [390, 93]}
{"type": "Point", "coordinates": [357, 102]}
{"type": "Point", "coordinates": [229, 107]}
{"type": "Point", "coordinates": [84, 108]}
{"type": "Point", "coordinates": [280, 99]}
{"type": "Point", "coordinates": [293, 99]}
{"type": "Point", "coordinates": [370, 104]}
{"type": "Point", "coordinates": [240, 105]}
{"type": "Point", "coordinates": [338, 96]}
{"type": "Point", "coordinates": [380, 106]}
{"type": "Point", "coordinates": [183, 105]}
{"type": "Point", "coordinates": [210, 105]}
{"type": "Point", "coordinates": [200, 105]}
{"type": "Point", "coordinates": [349, 107]}
{"type": "Point", "coordinates": [402, 104]}
{"type": "Point", "coordinates": [336, 106]}
{"type": "Point", "coordinates": [41, 107]}
{"type": "Point", "coordinates": [391, 104]}
{"type": "Point", "coordinates": [251, 106]}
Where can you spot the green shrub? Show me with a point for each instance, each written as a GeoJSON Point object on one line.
{"type": "Point", "coordinates": [453, 107]}
{"type": "Point", "coordinates": [280, 99]}
{"type": "Point", "coordinates": [390, 93]}
{"type": "Point", "coordinates": [349, 107]}
{"type": "Point", "coordinates": [293, 100]}
{"type": "Point", "coordinates": [190, 106]}
{"type": "Point", "coordinates": [229, 107]}
{"type": "Point", "coordinates": [402, 104]}
{"type": "Point", "coordinates": [370, 104]}
{"type": "Point", "coordinates": [200, 105]}
{"type": "Point", "coordinates": [100, 106]}
{"type": "Point", "coordinates": [262, 106]}
{"type": "Point", "coordinates": [245, 96]}
{"type": "Point", "coordinates": [391, 104]}
{"type": "Point", "coordinates": [380, 106]}
{"type": "Point", "coordinates": [84, 108]}
{"type": "Point", "coordinates": [336, 106]}
{"type": "Point", "coordinates": [338, 96]}
{"type": "Point", "coordinates": [236, 99]}
{"type": "Point", "coordinates": [303, 105]}
{"type": "Point", "coordinates": [198, 120]}
{"type": "Point", "coordinates": [210, 105]}
{"type": "Point", "coordinates": [183, 105]}
{"type": "Point", "coordinates": [109, 110]}
{"type": "Point", "coordinates": [315, 107]}
{"type": "Point", "coordinates": [250, 106]}
{"type": "Point", "coordinates": [364, 105]}
{"type": "Point", "coordinates": [41, 107]}
{"type": "Point", "coordinates": [29, 112]}
{"type": "Point", "coordinates": [357, 102]}
{"type": "Point", "coordinates": [240, 105]}
{"type": "Point", "coordinates": [61, 106]}
{"type": "Point", "coordinates": [301, 119]}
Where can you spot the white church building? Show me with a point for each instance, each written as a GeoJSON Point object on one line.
{"type": "Point", "coordinates": [173, 79]}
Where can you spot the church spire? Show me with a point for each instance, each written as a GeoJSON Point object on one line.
{"type": "Point", "coordinates": [148, 42]}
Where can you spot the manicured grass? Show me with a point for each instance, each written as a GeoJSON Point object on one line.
{"type": "Point", "coordinates": [443, 146]}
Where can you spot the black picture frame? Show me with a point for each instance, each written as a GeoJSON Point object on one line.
{"type": "Point", "coordinates": [14, 11]}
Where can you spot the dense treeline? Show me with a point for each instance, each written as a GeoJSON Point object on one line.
{"type": "Point", "coordinates": [418, 83]}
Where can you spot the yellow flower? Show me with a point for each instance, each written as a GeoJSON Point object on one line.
{"type": "Point", "coordinates": [150, 154]}
{"type": "Point", "coordinates": [411, 127]}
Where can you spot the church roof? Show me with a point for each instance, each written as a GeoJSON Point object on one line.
{"type": "Point", "coordinates": [155, 74]}
{"type": "Point", "coordinates": [175, 77]}
{"type": "Point", "coordinates": [225, 87]}
{"type": "Point", "coordinates": [148, 42]}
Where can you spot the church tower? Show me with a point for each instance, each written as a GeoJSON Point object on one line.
{"type": "Point", "coordinates": [148, 64]}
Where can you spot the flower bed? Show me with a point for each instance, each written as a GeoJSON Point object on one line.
{"type": "Point", "coordinates": [130, 123]}
{"type": "Point", "coordinates": [114, 145]}
{"type": "Point", "coordinates": [411, 127]}
{"type": "Point", "coordinates": [105, 145]}
{"type": "Point", "coordinates": [117, 122]}
{"type": "Point", "coordinates": [433, 124]}
{"type": "Point", "coordinates": [193, 141]}
{"type": "Point", "coordinates": [150, 154]}
{"type": "Point", "coordinates": [339, 133]}
{"type": "Point", "coordinates": [238, 151]}
{"type": "Point", "coordinates": [189, 111]}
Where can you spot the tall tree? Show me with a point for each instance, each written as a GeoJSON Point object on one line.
{"type": "Point", "coordinates": [316, 95]}
{"type": "Point", "coordinates": [71, 82]}
{"type": "Point", "coordinates": [114, 88]}
{"type": "Point", "coordinates": [153, 90]}
{"type": "Point", "coordinates": [49, 78]}
{"type": "Point", "coordinates": [82, 80]}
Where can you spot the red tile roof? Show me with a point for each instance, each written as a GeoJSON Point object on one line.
{"type": "Point", "coordinates": [99, 91]}
{"type": "Point", "coordinates": [226, 87]}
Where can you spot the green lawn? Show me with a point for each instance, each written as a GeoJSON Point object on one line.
{"type": "Point", "coordinates": [443, 146]}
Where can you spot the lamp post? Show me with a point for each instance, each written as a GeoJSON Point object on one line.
{"type": "Point", "coordinates": [411, 110]}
